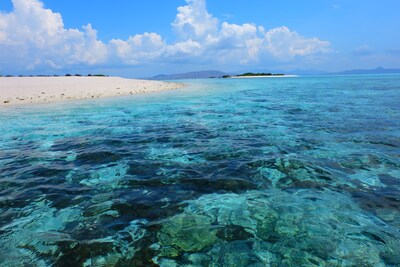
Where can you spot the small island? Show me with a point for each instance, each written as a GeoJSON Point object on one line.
{"type": "Point", "coordinates": [255, 75]}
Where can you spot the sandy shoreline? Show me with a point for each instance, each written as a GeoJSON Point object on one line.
{"type": "Point", "coordinates": [32, 90]}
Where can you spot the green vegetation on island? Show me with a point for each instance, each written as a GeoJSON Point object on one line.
{"type": "Point", "coordinates": [251, 74]}
{"type": "Point", "coordinates": [259, 74]}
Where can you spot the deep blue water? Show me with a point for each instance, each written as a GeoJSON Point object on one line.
{"type": "Point", "coordinates": [255, 172]}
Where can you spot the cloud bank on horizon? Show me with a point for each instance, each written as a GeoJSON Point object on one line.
{"type": "Point", "coordinates": [33, 37]}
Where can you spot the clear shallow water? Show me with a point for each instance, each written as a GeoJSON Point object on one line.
{"type": "Point", "coordinates": [279, 172]}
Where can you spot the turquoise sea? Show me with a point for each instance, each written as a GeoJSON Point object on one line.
{"type": "Point", "coordinates": [298, 171]}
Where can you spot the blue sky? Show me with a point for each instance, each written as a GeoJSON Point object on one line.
{"type": "Point", "coordinates": [141, 38]}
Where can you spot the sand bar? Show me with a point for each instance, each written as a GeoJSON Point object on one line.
{"type": "Point", "coordinates": [263, 76]}
{"type": "Point", "coordinates": [28, 90]}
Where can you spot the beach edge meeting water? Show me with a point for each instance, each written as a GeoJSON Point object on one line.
{"type": "Point", "coordinates": [34, 90]}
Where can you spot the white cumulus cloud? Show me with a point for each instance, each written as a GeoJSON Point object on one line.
{"type": "Point", "coordinates": [285, 44]}
{"type": "Point", "coordinates": [184, 49]}
{"type": "Point", "coordinates": [227, 43]}
{"type": "Point", "coordinates": [32, 36]}
{"type": "Point", "coordinates": [139, 48]}
{"type": "Point", "coordinates": [193, 21]}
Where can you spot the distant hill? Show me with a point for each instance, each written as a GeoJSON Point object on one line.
{"type": "Point", "coordinates": [190, 75]}
{"type": "Point", "coordinates": [219, 74]}
{"type": "Point", "coordinates": [378, 70]}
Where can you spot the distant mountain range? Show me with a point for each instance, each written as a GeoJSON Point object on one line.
{"type": "Point", "coordinates": [378, 70]}
{"type": "Point", "coordinates": [190, 75]}
{"type": "Point", "coordinates": [219, 74]}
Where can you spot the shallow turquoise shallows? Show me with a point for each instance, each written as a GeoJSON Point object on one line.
{"type": "Point", "coordinates": [225, 172]}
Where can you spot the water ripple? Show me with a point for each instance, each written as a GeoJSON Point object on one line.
{"type": "Point", "coordinates": [293, 172]}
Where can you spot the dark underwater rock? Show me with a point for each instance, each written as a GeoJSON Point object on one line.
{"type": "Point", "coordinates": [100, 157]}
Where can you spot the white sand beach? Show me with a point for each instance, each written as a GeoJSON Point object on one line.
{"type": "Point", "coordinates": [28, 90]}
